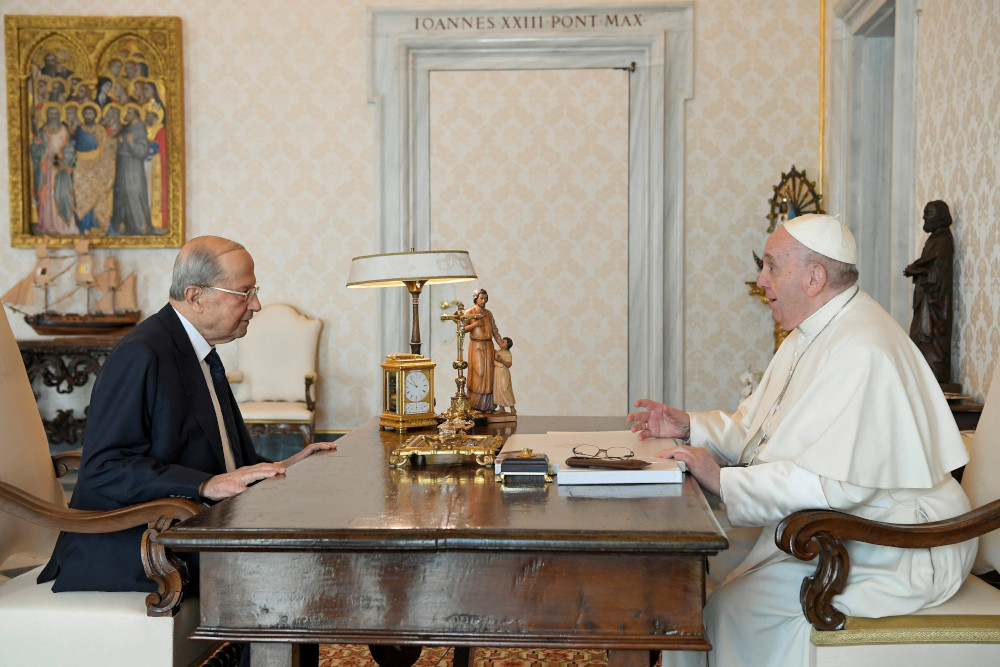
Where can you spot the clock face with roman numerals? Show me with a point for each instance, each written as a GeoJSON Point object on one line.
{"type": "Point", "coordinates": [415, 385]}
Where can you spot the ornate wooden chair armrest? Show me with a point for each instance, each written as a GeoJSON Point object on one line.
{"type": "Point", "coordinates": [66, 462]}
{"type": "Point", "coordinates": [169, 573]}
{"type": "Point", "coordinates": [310, 400]}
{"type": "Point", "coordinates": [809, 533]}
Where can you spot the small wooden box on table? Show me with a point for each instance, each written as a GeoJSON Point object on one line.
{"type": "Point", "coordinates": [347, 549]}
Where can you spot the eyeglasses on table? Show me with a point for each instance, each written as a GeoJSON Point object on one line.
{"type": "Point", "coordinates": [595, 452]}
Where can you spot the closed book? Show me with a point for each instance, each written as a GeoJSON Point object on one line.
{"type": "Point", "coordinates": [657, 472]}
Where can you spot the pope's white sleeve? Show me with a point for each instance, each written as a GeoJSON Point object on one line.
{"type": "Point", "coordinates": [721, 433]}
{"type": "Point", "coordinates": [768, 492]}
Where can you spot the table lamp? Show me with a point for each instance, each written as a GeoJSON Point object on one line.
{"type": "Point", "coordinates": [414, 269]}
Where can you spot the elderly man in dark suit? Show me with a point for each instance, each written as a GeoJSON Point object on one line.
{"type": "Point", "coordinates": [162, 420]}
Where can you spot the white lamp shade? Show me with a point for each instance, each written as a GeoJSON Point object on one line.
{"type": "Point", "coordinates": [398, 268]}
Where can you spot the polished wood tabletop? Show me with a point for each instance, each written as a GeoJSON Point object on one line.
{"type": "Point", "coordinates": [346, 549]}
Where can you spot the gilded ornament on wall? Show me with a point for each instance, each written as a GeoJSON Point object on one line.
{"type": "Point", "coordinates": [794, 195]}
{"type": "Point", "coordinates": [95, 128]}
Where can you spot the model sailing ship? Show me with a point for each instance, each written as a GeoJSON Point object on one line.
{"type": "Point", "coordinates": [114, 312]}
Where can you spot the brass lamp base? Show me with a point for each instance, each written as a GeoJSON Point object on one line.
{"type": "Point", "coordinates": [483, 447]}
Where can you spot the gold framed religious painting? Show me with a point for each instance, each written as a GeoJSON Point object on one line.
{"type": "Point", "coordinates": [95, 130]}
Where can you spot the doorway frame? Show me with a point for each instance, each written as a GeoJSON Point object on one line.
{"type": "Point", "coordinates": [658, 50]}
{"type": "Point", "coordinates": [849, 18]}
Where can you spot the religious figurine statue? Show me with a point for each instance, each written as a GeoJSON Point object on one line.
{"type": "Point", "coordinates": [482, 332]}
{"type": "Point", "coordinates": [503, 391]}
{"type": "Point", "coordinates": [932, 291]}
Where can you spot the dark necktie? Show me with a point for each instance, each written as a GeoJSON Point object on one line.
{"type": "Point", "coordinates": [218, 372]}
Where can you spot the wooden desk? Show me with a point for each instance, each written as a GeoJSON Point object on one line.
{"type": "Point", "coordinates": [345, 549]}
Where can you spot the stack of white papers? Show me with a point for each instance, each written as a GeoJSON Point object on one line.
{"type": "Point", "coordinates": [558, 446]}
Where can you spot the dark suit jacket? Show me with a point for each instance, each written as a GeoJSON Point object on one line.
{"type": "Point", "coordinates": [151, 433]}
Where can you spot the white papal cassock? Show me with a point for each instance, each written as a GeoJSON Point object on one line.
{"type": "Point", "coordinates": [863, 428]}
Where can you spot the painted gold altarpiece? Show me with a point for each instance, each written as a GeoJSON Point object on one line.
{"type": "Point", "coordinates": [95, 127]}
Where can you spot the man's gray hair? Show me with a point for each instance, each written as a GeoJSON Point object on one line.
{"type": "Point", "coordinates": [198, 265]}
{"type": "Point", "coordinates": [840, 275]}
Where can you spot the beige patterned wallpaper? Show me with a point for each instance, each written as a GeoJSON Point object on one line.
{"type": "Point", "coordinates": [530, 173]}
{"type": "Point", "coordinates": [754, 114]}
{"type": "Point", "coordinates": [958, 161]}
{"type": "Point", "coordinates": [280, 155]}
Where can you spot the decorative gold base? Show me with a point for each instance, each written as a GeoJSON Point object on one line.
{"type": "Point", "coordinates": [390, 420]}
{"type": "Point", "coordinates": [461, 408]}
{"type": "Point", "coordinates": [483, 447]}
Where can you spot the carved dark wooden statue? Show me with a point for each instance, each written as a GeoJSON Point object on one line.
{"type": "Point", "coordinates": [932, 292]}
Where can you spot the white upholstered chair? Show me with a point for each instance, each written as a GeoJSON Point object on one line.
{"type": "Point", "coordinates": [276, 375]}
{"type": "Point", "coordinates": [37, 626]}
{"type": "Point", "coordinates": [965, 629]}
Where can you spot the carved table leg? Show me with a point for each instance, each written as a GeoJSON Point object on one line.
{"type": "Point", "coordinates": [628, 658]}
{"type": "Point", "coordinates": [272, 655]}
{"type": "Point", "coordinates": [308, 655]}
{"type": "Point", "coordinates": [462, 657]}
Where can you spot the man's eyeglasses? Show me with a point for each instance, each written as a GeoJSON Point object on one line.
{"type": "Point", "coordinates": [595, 452]}
{"type": "Point", "coordinates": [246, 295]}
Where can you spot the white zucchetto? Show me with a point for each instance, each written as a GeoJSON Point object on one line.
{"type": "Point", "coordinates": [824, 234]}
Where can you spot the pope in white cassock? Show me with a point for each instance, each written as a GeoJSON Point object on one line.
{"type": "Point", "coordinates": [848, 416]}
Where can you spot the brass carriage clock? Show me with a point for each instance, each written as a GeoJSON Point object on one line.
{"type": "Point", "coordinates": [407, 392]}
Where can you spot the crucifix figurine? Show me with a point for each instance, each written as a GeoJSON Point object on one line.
{"type": "Point", "coordinates": [461, 407]}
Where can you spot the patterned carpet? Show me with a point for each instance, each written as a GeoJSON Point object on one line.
{"type": "Point", "coordinates": [355, 655]}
